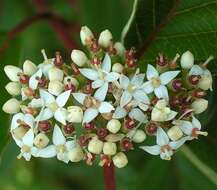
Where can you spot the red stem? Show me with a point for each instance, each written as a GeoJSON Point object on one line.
{"type": "Point", "coordinates": [109, 177]}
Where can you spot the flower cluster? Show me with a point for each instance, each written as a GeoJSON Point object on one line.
{"type": "Point", "coordinates": [101, 106]}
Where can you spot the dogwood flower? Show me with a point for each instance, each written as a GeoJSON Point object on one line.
{"type": "Point", "coordinates": [94, 106]}
{"type": "Point", "coordinates": [192, 129]}
{"type": "Point", "coordinates": [132, 90]}
{"type": "Point", "coordinates": [33, 81]}
{"type": "Point", "coordinates": [26, 145]}
{"type": "Point", "coordinates": [60, 147]}
{"type": "Point", "coordinates": [53, 106]}
{"type": "Point", "coordinates": [101, 77]}
{"type": "Point", "coordinates": [47, 64]}
{"type": "Point", "coordinates": [164, 147]}
{"type": "Point", "coordinates": [157, 83]}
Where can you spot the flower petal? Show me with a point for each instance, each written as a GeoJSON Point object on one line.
{"type": "Point", "coordinates": [44, 115]}
{"type": "Point", "coordinates": [63, 98]}
{"type": "Point", "coordinates": [70, 145]}
{"type": "Point", "coordinates": [154, 150]}
{"type": "Point", "coordinates": [161, 92]}
{"type": "Point", "coordinates": [29, 120]}
{"type": "Point", "coordinates": [141, 96]}
{"type": "Point", "coordinates": [106, 64]}
{"type": "Point", "coordinates": [28, 138]}
{"type": "Point", "coordinates": [63, 157]}
{"type": "Point", "coordinates": [119, 113]}
{"type": "Point", "coordinates": [162, 138]}
{"type": "Point", "coordinates": [124, 81]}
{"type": "Point", "coordinates": [151, 72]}
{"type": "Point", "coordinates": [110, 77]}
{"type": "Point", "coordinates": [147, 87]}
{"type": "Point", "coordinates": [168, 76]}
{"type": "Point", "coordinates": [36, 103]}
{"type": "Point", "coordinates": [89, 115]}
{"type": "Point", "coordinates": [97, 83]}
{"type": "Point", "coordinates": [27, 156]}
{"type": "Point", "coordinates": [79, 97]}
{"type": "Point", "coordinates": [105, 107]}
{"type": "Point", "coordinates": [196, 123]}
{"type": "Point", "coordinates": [138, 79]}
{"type": "Point", "coordinates": [101, 92]}
{"type": "Point", "coordinates": [196, 70]}
{"type": "Point", "coordinates": [16, 117]}
{"type": "Point", "coordinates": [61, 115]}
{"type": "Point", "coordinates": [143, 107]}
{"type": "Point", "coordinates": [89, 73]}
{"type": "Point", "coordinates": [125, 98]}
{"type": "Point", "coordinates": [33, 82]}
{"type": "Point", "coordinates": [47, 152]}
{"type": "Point", "coordinates": [46, 96]}
{"type": "Point", "coordinates": [138, 115]}
{"type": "Point", "coordinates": [176, 144]}
{"type": "Point", "coordinates": [185, 126]}
{"type": "Point", "coordinates": [58, 137]}
{"type": "Point", "coordinates": [171, 115]}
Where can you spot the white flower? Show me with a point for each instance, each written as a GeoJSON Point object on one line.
{"type": "Point", "coordinates": [161, 112]}
{"type": "Point", "coordinates": [86, 35]}
{"type": "Point", "coordinates": [164, 147]}
{"type": "Point", "coordinates": [187, 60]}
{"type": "Point", "coordinates": [157, 83]}
{"type": "Point", "coordinates": [96, 107]}
{"type": "Point", "coordinates": [11, 106]}
{"type": "Point", "coordinates": [54, 107]}
{"type": "Point", "coordinates": [105, 38]}
{"type": "Point", "coordinates": [26, 145]}
{"type": "Point", "coordinates": [13, 88]}
{"type": "Point", "coordinates": [101, 77]}
{"type": "Point", "coordinates": [192, 129]}
{"type": "Point", "coordinates": [47, 64]}
{"type": "Point", "coordinates": [33, 81]}
{"type": "Point", "coordinates": [60, 147]}
{"type": "Point", "coordinates": [132, 90]}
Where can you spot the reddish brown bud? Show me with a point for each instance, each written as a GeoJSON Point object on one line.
{"type": "Point", "coordinates": [194, 79]}
{"type": "Point", "coordinates": [96, 61]}
{"type": "Point", "coordinates": [126, 144]}
{"type": "Point", "coordinates": [151, 128]}
{"type": "Point", "coordinates": [24, 79]}
{"type": "Point", "coordinates": [58, 61]}
{"type": "Point", "coordinates": [44, 126]}
{"type": "Point", "coordinates": [129, 123]}
{"type": "Point", "coordinates": [102, 132]}
{"type": "Point", "coordinates": [177, 84]}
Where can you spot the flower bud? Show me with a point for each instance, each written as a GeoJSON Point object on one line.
{"type": "Point", "coordinates": [44, 126]}
{"type": "Point", "coordinates": [55, 74]}
{"type": "Point", "coordinates": [75, 114]}
{"type": "Point", "coordinates": [105, 38]}
{"type": "Point", "coordinates": [79, 57]}
{"type": "Point", "coordinates": [120, 48]}
{"type": "Point", "coordinates": [29, 68]}
{"type": "Point", "coordinates": [41, 140]}
{"type": "Point", "coordinates": [205, 82]}
{"type": "Point", "coordinates": [109, 148]}
{"type": "Point", "coordinates": [55, 87]}
{"type": "Point", "coordinates": [139, 136]}
{"type": "Point", "coordinates": [12, 72]}
{"type": "Point", "coordinates": [118, 68]}
{"type": "Point", "coordinates": [174, 133]}
{"type": "Point", "coordinates": [76, 154]}
{"type": "Point", "coordinates": [114, 125]}
{"type": "Point", "coordinates": [199, 105]}
{"type": "Point", "coordinates": [13, 88]}
{"type": "Point", "coordinates": [187, 60]}
{"type": "Point", "coordinates": [86, 35]}
{"type": "Point", "coordinates": [95, 146]}
{"type": "Point", "coordinates": [11, 106]}
{"type": "Point", "coordinates": [120, 160]}
{"type": "Point", "coordinates": [71, 80]}
{"type": "Point", "coordinates": [19, 132]}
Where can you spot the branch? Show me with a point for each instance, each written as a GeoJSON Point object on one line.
{"type": "Point", "coordinates": [109, 177]}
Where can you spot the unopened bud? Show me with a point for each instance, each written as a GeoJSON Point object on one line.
{"type": "Point", "coordinates": [151, 128]}
{"type": "Point", "coordinates": [205, 82]}
{"type": "Point", "coordinates": [120, 48]}
{"type": "Point", "coordinates": [41, 140]}
{"type": "Point", "coordinates": [29, 68]}
{"type": "Point", "coordinates": [139, 136]}
{"type": "Point", "coordinates": [13, 88]}
{"type": "Point", "coordinates": [11, 106]}
{"type": "Point", "coordinates": [55, 74]}
{"type": "Point", "coordinates": [95, 146]}
{"type": "Point", "coordinates": [199, 105]}
{"type": "Point", "coordinates": [109, 148]}
{"type": "Point", "coordinates": [187, 60]}
{"type": "Point", "coordinates": [75, 114]}
{"type": "Point", "coordinates": [86, 35]}
{"type": "Point", "coordinates": [114, 125]}
{"type": "Point", "coordinates": [118, 68]}
{"type": "Point", "coordinates": [126, 144]}
{"type": "Point", "coordinates": [76, 154]}
{"type": "Point", "coordinates": [44, 126]}
{"type": "Point", "coordinates": [12, 72]}
{"type": "Point", "coordinates": [105, 38]}
{"type": "Point", "coordinates": [120, 160]}
{"type": "Point", "coordinates": [55, 87]}
{"type": "Point", "coordinates": [70, 80]}
{"type": "Point", "coordinates": [174, 133]}
{"type": "Point", "coordinates": [79, 57]}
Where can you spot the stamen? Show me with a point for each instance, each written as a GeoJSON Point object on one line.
{"type": "Point", "coordinates": [204, 133]}
{"type": "Point", "coordinates": [210, 58]}
{"type": "Point", "coordinates": [44, 54]}
{"type": "Point", "coordinates": [175, 58]}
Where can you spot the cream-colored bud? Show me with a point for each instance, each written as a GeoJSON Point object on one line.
{"type": "Point", "coordinates": [118, 68]}
{"type": "Point", "coordinates": [199, 105]}
{"type": "Point", "coordinates": [19, 132]}
{"type": "Point", "coordinates": [139, 136]}
{"type": "Point", "coordinates": [29, 68]}
{"type": "Point", "coordinates": [174, 133]}
{"type": "Point", "coordinates": [114, 125]}
{"type": "Point", "coordinates": [105, 38]}
{"type": "Point", "coordinates": [187, 60]}
{"type": "Point", "coordinates": [70, 80]}
{"type": "Point", "coordinates": [120, 160]}
{"type": "Point", "coordinates": [109, 148]}
{"type": "Point", "coordinates": [41, 140]}
{"type": "Point", "coordinates": [95, 146]}
{"type": "Point", "coordinates": [205, 82]}
{"type": "Point", "coordinates": [86, 35]}
{"type": "Point", "coordinates": [55, 74]}
{"type": "Point", "coordinates": [55, 87]}
{"type": "Point", "coordinates": [79, 57]}
{"type": "Point", "coordinates": [120, 48]}
{"type": "Point", "coordinates": [76, 154]}
{"type": "Point", "coordinates": [75, 114]}
{"type": "Point", "coordinates": [11, 106]}
{"type": "Point", "coordinates": [13, 88]}
{"type": "Point", "coordinates": [12, 72]}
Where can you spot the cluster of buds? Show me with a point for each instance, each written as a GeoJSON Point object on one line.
{"type": "Point", "coordinates": [101, 105]}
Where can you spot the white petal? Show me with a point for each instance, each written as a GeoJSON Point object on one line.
{"type": "Point", "coordinates": [154, 150]}
{"type": "Point", "coordinates": [110, 77]}
{"type": "Point", "coordinates": [196, 70]}
{"type": "Point", "coordinates": [89, 73]}
{"type": "Point", "coordinates": [168, 76]}
{"type": "Point", "coordinates": [36, 103]}
{"type": "Point", "coordinates": [58, 137]}
{"type": "Point", "coordinates": [125, 98]}
{"type": "Point", "coordinates": [147, 87]}
{"type": "Point", "coordinates": [47, 152]}
{"type": "Point", "coordinates": [137, 80]}
{"type": "Point", "coordinates": [97, 83]}
{"type": "Point", "coordinates": [196, 122]}
{"type": "Point", "coordinates": [16, 117]}
{"type": "Point", "coordinates": [162, 138]}
{"type": "Point", "coordinates": [176, 144]}
{"type": "Point", "coordinates": [186, 127]}
{"type": "Point", "coordinates": [124, 81]}
{"type": "Point", "coordinates": [105, 107]}
{"type": "Point", "coordinates": [106, 64]}
{"type": "Point", "coordinates": [151, 72]}
{"type": "Point", "coordinates": [70, 145]}
{"type": "Point", "coordinates": [28, 138]}
{"type": "Point", "coordinates": [46, 96]}
{"type": "Point", "coordinates": [143, 107]}
{"type": "Point", "coordinates": [61, 115]}
{"type": "Point", "coordinates": [101, 92]}
{"type": "Point", "coordinates": [171, 115]}
{"type": "Point", "coordinates": [79, 97]}
{"type": "Point", "coordinates": [161, 92]}
{"type": "Point", "coordinates": [89, 115]}
{"type": "Point", "coordinates": [138, 115]}
{"type": "Point", "coordinates": [63, 98]}
{"type": "Point", "coordinates": [27, 156]}
{"type": "Point", "coordinates": [63, 157]}
{"type": "Point", "coordinates": [45, 67]}
{"type": "Point", "coordinates": [29, 120]}
{"type": "Point", "coordinates": [119, 113]}
{"type": "Point", "coordinates": [44, 115]}
{"type": "Point", "coordinates": [33, 82]}
{"type": "Point", "coordinates": [141, 96]}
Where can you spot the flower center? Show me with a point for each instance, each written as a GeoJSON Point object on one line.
{"type": "Point", "coordinates": [101, 74]}
{"type": "Point", "coordinates": [61, 148]}
{"type": "Point", "coordinates": [26, 149]}
{"type": "Point", "coordinates": [131, 88]}
{"type": "Point", "coordinates": [166, 149]}
{"type": "Point", "coordinates": [53, 106]}
{"type": "Point", "coordinates": [155, 82]}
